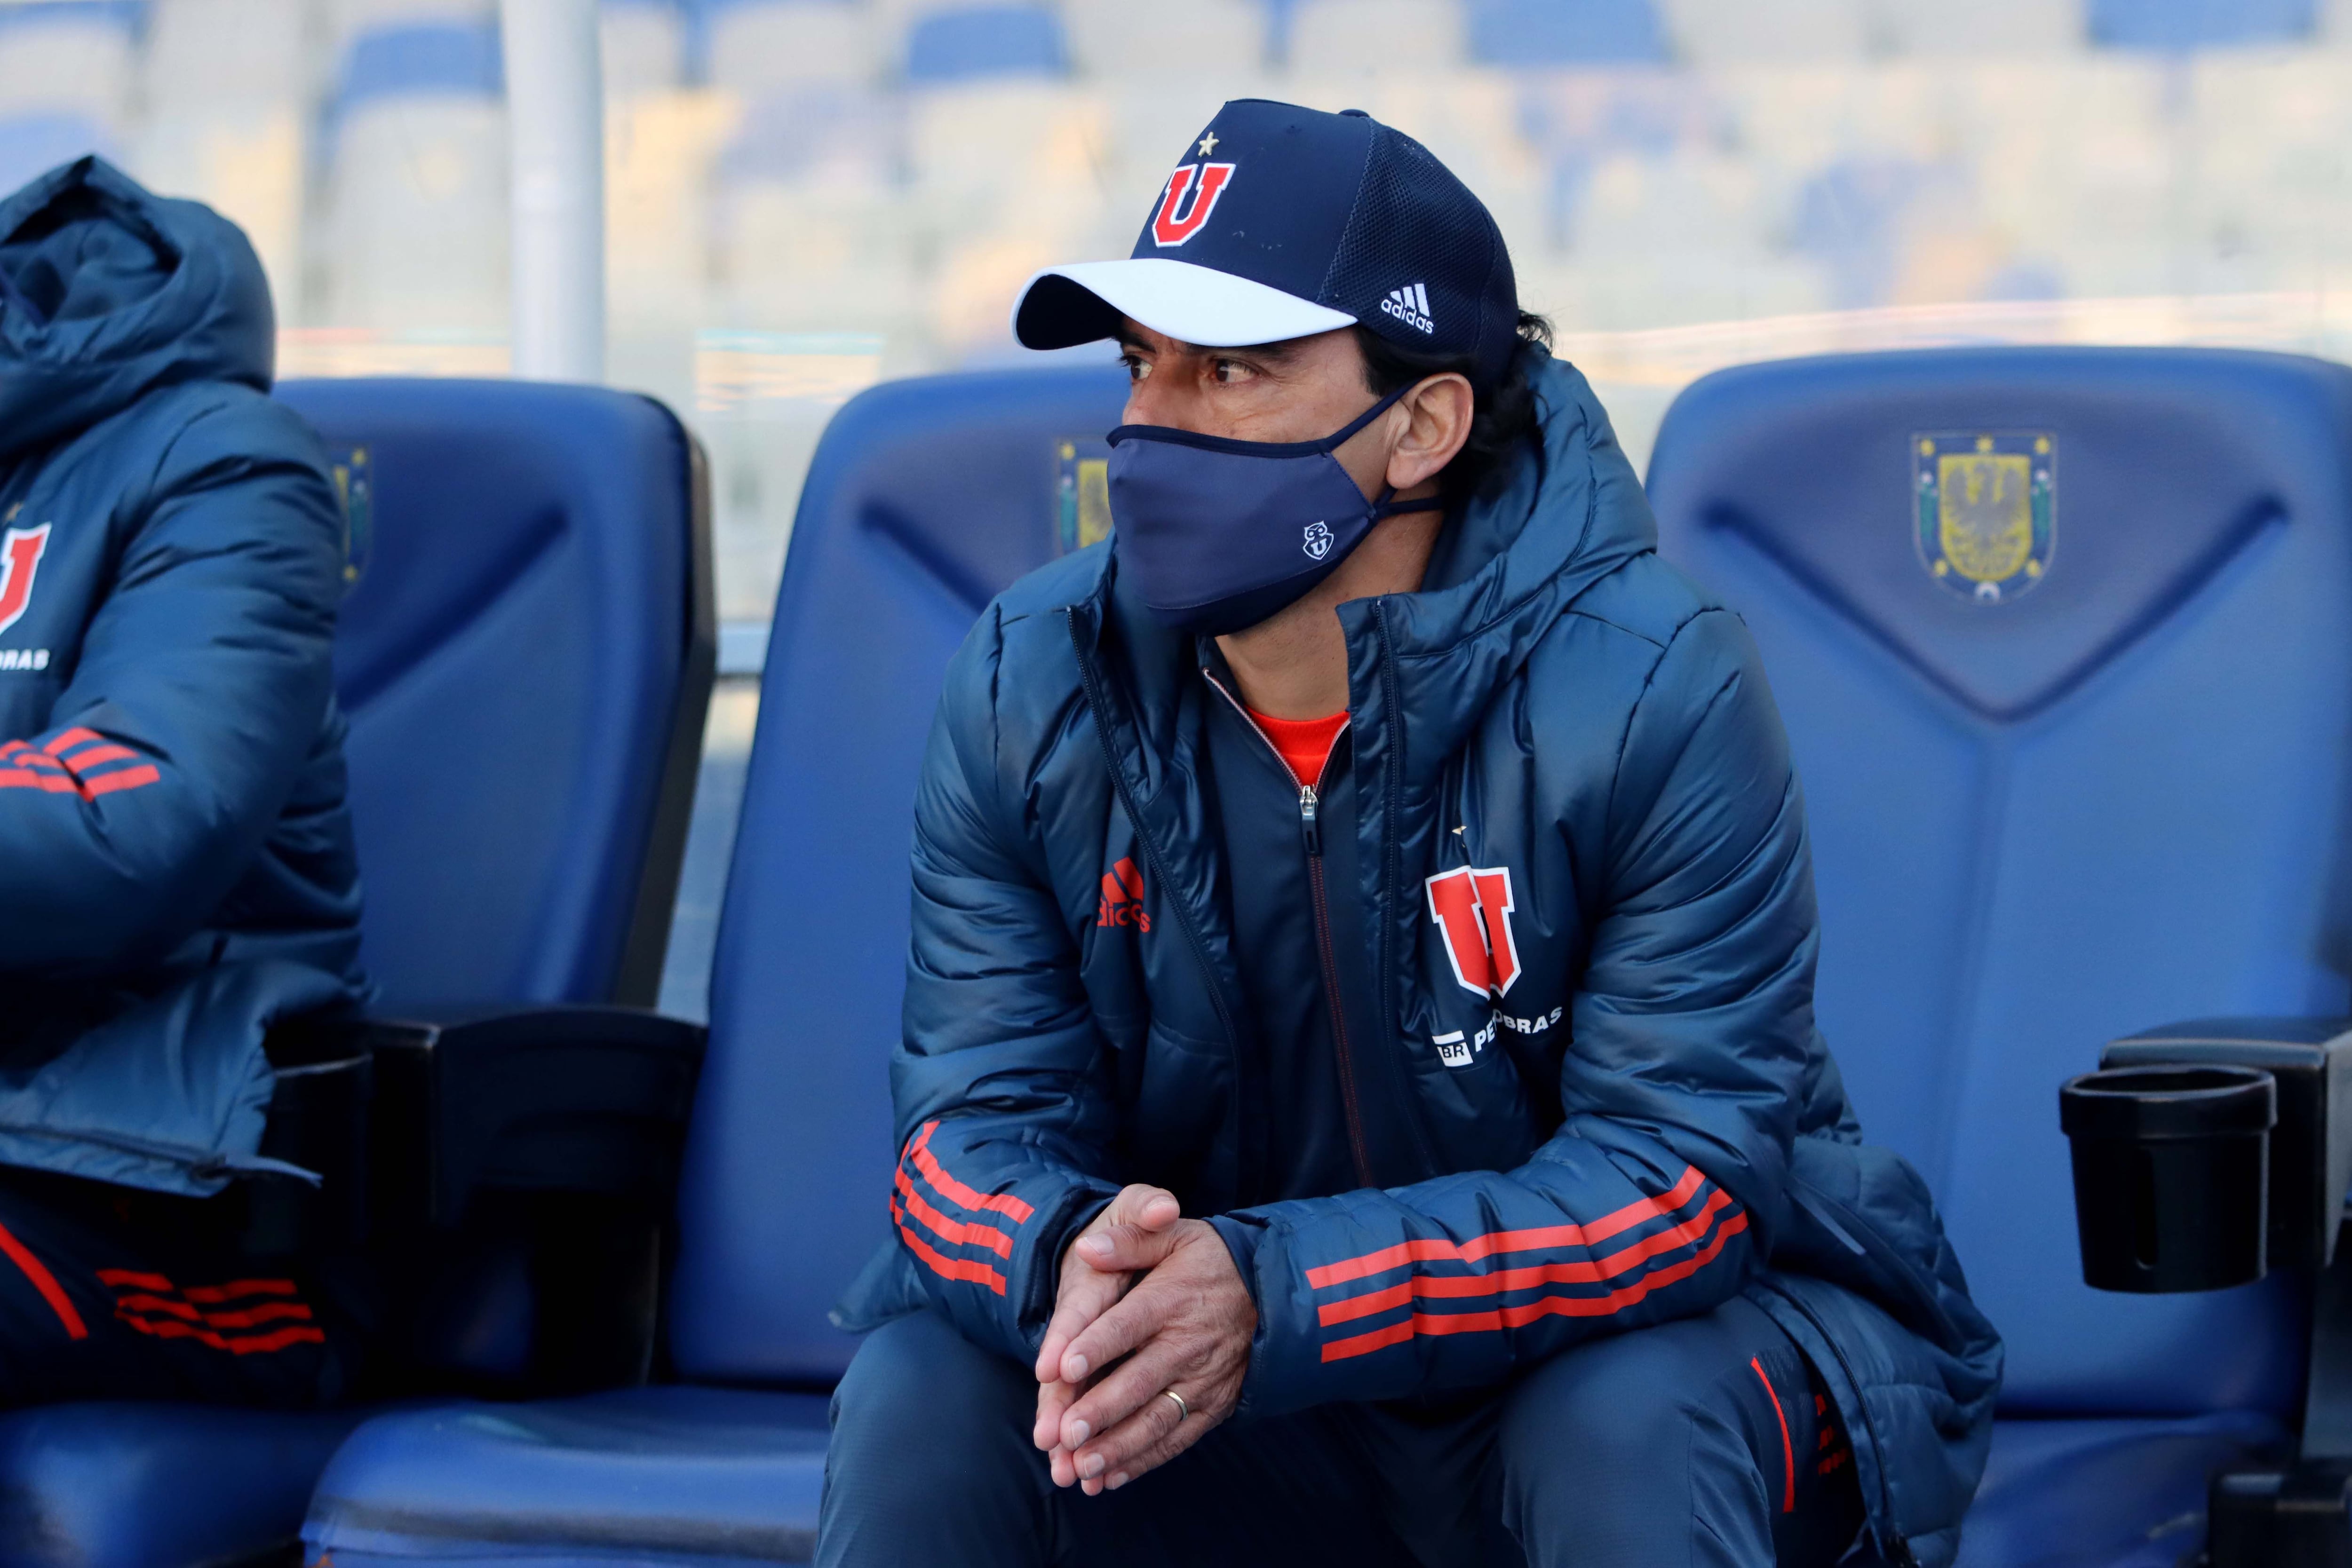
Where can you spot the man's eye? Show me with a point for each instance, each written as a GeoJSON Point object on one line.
{"type": "Point", "coordinates": [1230, 370]}
{"type": "Point", "coordinates": [1136, 368]}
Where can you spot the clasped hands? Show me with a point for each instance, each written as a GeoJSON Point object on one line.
{"type": "Point", "coordinates": [1149, 1301]}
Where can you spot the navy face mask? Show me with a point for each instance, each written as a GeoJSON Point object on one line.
{"type": "Point", "coordinates": [1215, 535]}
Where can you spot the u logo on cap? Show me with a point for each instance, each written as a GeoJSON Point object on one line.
{"type": "Point", "coordinates": [1174, 223]}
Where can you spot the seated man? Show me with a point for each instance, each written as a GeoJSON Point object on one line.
{"type": "Point", "coordinates": [1360, 1094]}
{"type": "Point", "coordinates": [176, 869]}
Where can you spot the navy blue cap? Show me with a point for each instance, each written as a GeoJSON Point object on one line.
{"type": "Point", "coordinates": [1281, 222]}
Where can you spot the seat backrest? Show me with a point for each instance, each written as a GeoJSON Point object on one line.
{"type": "Point", "coordinates": [1524, 32]}
{"type": "Point", "coordinates": [424, 59]}
{"type": "Point", "coordinates": [2181, 26]}
{"type": "Point", "coordinates": [2060, 637]}
{"type": "Point", "coordinates": [525, 655]}
{"type": "Point", "coordinates": [964, 42]}
{"type": "Point", "coordinates": [924, 499]}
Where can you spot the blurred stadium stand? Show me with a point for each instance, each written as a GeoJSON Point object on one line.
{"type": "Point", "coordinates": [960, 43]}
{"type": "Point", "coordinates": [2183, 25]}
{"type": "Point", "coordinates": [1679, 179]}
{"type": "Point", "coordinates": [414, 136]}
{"type": "Point", "coordinates": [65, 81]}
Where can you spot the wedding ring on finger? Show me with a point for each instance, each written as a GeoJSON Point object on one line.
{"type": "Point", "coordinates": [1184, 1411]}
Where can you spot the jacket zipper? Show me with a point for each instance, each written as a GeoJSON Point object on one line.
{"type": "Point", "coordinates": [1310, 838]}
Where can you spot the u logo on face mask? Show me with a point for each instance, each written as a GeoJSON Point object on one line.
{"type": "Point", "coordinates": [1318, 541]}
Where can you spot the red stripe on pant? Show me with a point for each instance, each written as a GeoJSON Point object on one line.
{"type": "Point", "coordinates": [1787, 1449]}
{"type": "Point", "coordinates": [46, 1283]}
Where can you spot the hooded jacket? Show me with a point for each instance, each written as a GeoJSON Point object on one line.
{"type": "Point", "coordinates": [177, 867]}
{"type": "Point", "coordinates": [1584, 1074]}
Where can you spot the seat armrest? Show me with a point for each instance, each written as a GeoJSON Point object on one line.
{"type": "Point", "coordinates": [2311, 1146]}
{"type": "Point", "coordinates": [509, 1166]}
{"type": "Point", "coordinates": [574, 1099]}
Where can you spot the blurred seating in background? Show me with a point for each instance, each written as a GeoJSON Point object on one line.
{"type": "Point", "coordinates": [65, 81]}
{"type": "Point", "coordinates": [803, 193]}
{"type": "Point", "coordinates": [413, 137]}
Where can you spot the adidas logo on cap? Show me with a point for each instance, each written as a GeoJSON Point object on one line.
{"type": "Point", "coordinates": [1409, 304]}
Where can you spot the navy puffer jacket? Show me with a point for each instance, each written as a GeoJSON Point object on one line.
{"type": "Point", "coordinates": [176, 865]}
{"type": "Point", "coordinates": [1599, 1094]}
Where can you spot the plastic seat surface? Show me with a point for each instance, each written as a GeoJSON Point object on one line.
{"type": "Point", "coordinates": [512, 655]}
{"type": "Point", "coordinates": [674, 1474]}
{"type": "Point", "coordinates": [2107, 802]}
{"type": "Point", "coordinates": [131, 1485]}
{"type": "Point", "coordinates": [2145, 1479]}
{"type": "Point", "coordinates": [926, 498]}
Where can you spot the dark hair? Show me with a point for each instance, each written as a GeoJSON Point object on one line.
{"type": "Point", "coordinates": [1503, 414]}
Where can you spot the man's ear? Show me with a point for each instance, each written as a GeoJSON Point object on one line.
{"type": "Point", "coordinates": [1436, 414]}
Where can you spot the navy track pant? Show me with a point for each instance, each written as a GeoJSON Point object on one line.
{"type": "Point", "coordinates": [109, 1293]}
{"type": "Point", "coordinates": [1702, 1443]}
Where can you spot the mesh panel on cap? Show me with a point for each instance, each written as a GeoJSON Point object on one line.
{"type": "Point", "coordinates": [1414, 223]}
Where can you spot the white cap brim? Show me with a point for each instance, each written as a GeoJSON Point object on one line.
{"type": "Point", "coordinates": [1192, 304]}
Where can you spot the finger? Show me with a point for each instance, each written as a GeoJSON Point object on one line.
{"type": "Point", "coordinates": [1084, 1296]}
{"type": "Point", "coordinates": [1064, 1467]}
{"type": "Point", "coordinates": [1086, 1292]}
{"type": "Point", "coordinates": [1123, 1391]}
{"type": "Point", "coordinates": [1152, 1207]}
{"type": "Point", "coordinates": [1122, 1231]}
{"type": "Point", "coordinates": [1142, 1313]}
{"type": "Point", "coordinates": [1053, 1400]}
{"type": "Point", "coordinates": [1126, 1248]}
{"type": "Point", "coordinates": [1123, 1450]}
{"type": "Point", "coordinates": [1186, 1433]}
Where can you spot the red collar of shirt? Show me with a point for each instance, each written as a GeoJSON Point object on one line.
{"type": "Point", "coordinates": [1305, 743]}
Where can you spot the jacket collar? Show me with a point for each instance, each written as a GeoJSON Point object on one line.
{"type": "Point", "coordinates": [1566, 514]}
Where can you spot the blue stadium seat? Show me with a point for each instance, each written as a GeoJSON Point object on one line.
{"type": "Point", "coordinates": [2179, 25]}
{"type": "Point", "coordinates": [420, 57]}
{"type": "Point", "coordinates": [977, 41]}
{"type": "Point", "coordinates": [525, 659]}
{"type": "Point", "coordinates": [517, 657]}
{"type": "Point", "coordinates": [2087, 780]}
{"type": "Point", "coordinates": [924, 499]}
{"type": "Point", "coordinates": [1524, 34]}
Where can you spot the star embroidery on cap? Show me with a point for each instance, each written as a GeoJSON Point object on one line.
{"type": "Point", "coordinates": [1208, 144]}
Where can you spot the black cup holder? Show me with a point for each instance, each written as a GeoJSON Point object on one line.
{"type": "Point", "coordinates": [2171, 1175]}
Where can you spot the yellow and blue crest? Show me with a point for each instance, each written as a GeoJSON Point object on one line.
{"type": "Point", "coordinates": [1081, 493]}
{"type": "Point", "coordinates": [1988, 510]}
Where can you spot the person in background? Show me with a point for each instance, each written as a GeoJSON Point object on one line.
{"type": "Point", "coordinates": [1360, 1099]}
{"type": "Point", "coordinates": [177, 861]}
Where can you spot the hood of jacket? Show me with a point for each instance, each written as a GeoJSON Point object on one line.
{"type": "Point", "coordinates": [108, 292]}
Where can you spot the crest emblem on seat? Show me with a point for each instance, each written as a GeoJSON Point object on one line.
{"type": "Point", "coordinates": [1986, 510]}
